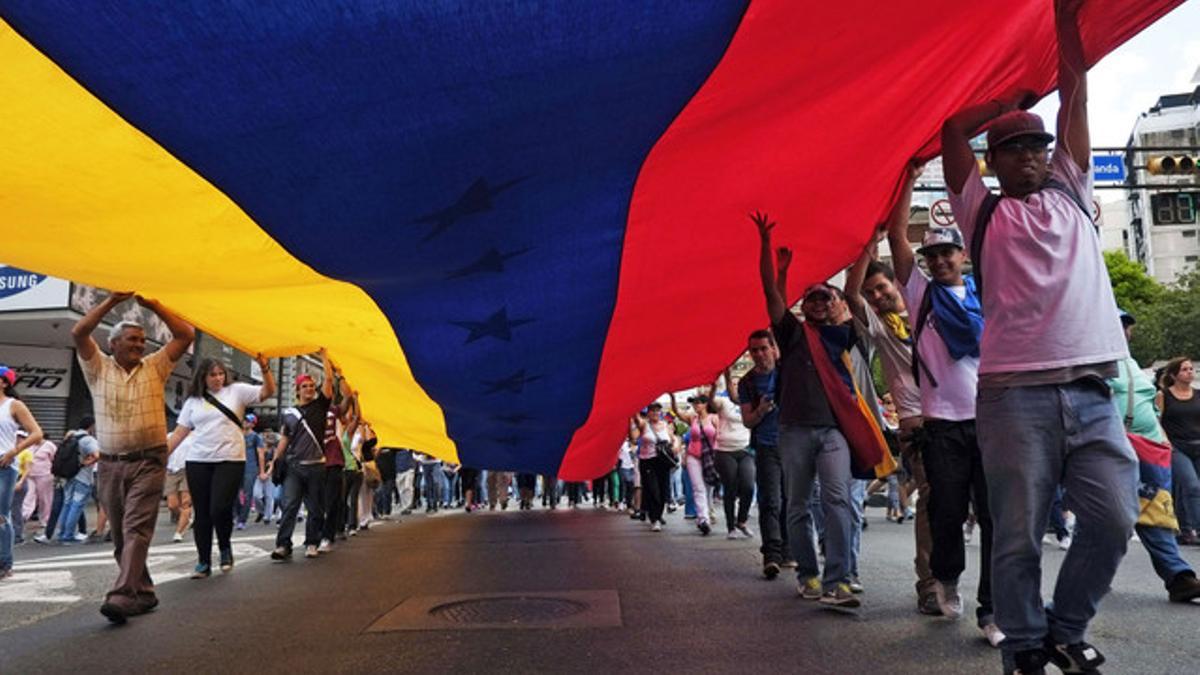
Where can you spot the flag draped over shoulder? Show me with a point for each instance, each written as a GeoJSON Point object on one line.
{"type": "Point", "coordinates": [488, 211]}
{"type": "Point", "coordinates": [869, 454]}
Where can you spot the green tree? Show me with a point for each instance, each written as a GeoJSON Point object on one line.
{"type": "Point", "coordinates": [1131, 285]}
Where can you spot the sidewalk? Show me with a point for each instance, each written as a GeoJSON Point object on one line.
{"type": "Point", "coordinates": [686, 604]}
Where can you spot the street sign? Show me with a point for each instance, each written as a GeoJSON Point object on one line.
{"type": "Point", "coordinates": [941, 214]}
{"type": "Point", "coordinates": [1108, 167]}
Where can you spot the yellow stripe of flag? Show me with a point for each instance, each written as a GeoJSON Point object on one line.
{"type": "Point", "coordinates": [86, 196]}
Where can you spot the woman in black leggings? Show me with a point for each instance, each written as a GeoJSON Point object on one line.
{"type": "Point", "coordinates": [656, 450]}
{"type": "Point", "coordinates": [734, 462]}
{"type": "Point", "coordinates": [211, 423]}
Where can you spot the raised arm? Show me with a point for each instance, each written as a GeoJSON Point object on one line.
{"type": "Point", "coordinates": [675, 409]}
{"type": "Point", "coordinates": [733, 396]}
{"type": "Point", "coordinates": [268, 386]}
{"type": "Point", "coordinates": [182, 332]}
{"type": "Point", "coordinates": [83, 329]}
{"type": "Point", "coordinates": [327, 366]}
{"type": "Point", "coordinates": [783, 262]}
{"type": "Point", "coordinates": [857, 273]}
{"type": "Point", "coordinates": [1073, 134]}
{"type": "Point", "coordinates": [776, 307]}
{"type": "Point", "coordinates": [897, 226]}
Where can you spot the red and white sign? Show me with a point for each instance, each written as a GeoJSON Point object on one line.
{"type": "Point", "coordinates": [940, 213]}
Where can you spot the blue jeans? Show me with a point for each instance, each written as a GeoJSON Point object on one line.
{"type": "Point", "coordinates": [8, 483]}
{"type": "Point", "coordinates": [249, 478]}
{"type": "Point", "coordinates": [808, 453]}
{"type": "Point", "coordinates": [1186, 488]}
{"type": "Point", "coordinates": [432, 480]}
{"type": "Point", "coordinates": [304, 482]}
{"type": "Point", "coordinates": [75, 497]}
{"type": "Point", "coordinates": [689, 502]}
{"type": "Point", "coordinates": [858, 494]}
{"type": "Point", "coordinates": [1164, 552]}
{"type": "Point", "coordinates": [772, 504]}
{"type": "Point", "coordinates": [1032, 440]}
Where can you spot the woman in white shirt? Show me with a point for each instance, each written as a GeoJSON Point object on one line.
{"type": "Point", "coordinates": [211, 419]}
{"type": "Point", "coordinates": [735, 464]}
{"type": "Point", "coordinates": [656, 459]}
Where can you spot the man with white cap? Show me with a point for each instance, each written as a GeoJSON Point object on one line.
{"type": "Point", "coordinates": [946, 328]}
{"type": "Point", "coordinates": [1053, 336]}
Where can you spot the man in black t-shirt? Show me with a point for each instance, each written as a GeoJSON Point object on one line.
{"type": "Point", "coordinates": [300, 446]}
{"type": "Point", "coordinates": [810, 444]}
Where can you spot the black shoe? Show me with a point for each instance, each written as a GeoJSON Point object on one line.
{"type": "Point", "coordinates": [146, 604]}
{"type": "Point", "coordinates": [704, 529]}
{"type": "Point", "coordinates": [1184, 587]}
{"type": "Point", "coordinates": [771, 570]}
{"type": "Point", "coordinates": [113, 613]}
{"type": "Point", "coordinates": [1074, 658]}
{"type": "Point", "coordinates": [259, 519]}
{"type": "Point", "coordinates": [1030, 662]}
{"type": "Point", "coordinates": [281, 553]}
{"type": "Point", "coordinates": [927, 604]}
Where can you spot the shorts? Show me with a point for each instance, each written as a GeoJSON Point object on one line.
{"type": "Point", "coordinates": [175, 482]}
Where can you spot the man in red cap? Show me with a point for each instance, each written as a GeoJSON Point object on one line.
{"type": "Point", "coordinates": [1044, 413]}
{"type": "Point", "coordinates": [301, 448]}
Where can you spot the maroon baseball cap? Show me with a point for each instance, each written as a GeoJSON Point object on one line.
{"type": "Point", "coordinates": [1014, 125]}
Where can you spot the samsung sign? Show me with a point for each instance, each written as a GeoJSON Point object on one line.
{"type": "Point", "coordinates": [21, 289]}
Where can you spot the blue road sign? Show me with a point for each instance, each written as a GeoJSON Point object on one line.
{"type": "Point", "coordinates": [1108, 167]}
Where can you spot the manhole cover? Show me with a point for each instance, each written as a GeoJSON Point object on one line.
{"type": "Point", "coordinates": [508, 610]}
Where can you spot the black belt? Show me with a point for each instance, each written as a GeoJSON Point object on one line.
{"type": "Point", "coordinates": [135, 456]}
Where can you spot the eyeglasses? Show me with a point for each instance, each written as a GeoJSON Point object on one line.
{"type": "Point", "coordinates": [1018, 147]}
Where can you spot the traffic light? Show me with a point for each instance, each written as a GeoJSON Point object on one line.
{"type": "Point", "coordinates": [1171, 165]}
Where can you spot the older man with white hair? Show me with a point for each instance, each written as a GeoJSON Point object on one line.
{"type": "Point", "coordinates": [131, 425]}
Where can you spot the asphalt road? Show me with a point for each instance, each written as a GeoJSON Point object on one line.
{"type": "Point", "coordinates": [686, 604]}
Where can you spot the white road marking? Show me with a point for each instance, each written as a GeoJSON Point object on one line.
{"type": "Point", "coordinates": [38, 587]}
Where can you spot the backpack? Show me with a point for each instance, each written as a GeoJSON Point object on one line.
{"type": "Point", "coordinates": [984, 217]}
{"type": "Point", "coordinates": [66, 462]}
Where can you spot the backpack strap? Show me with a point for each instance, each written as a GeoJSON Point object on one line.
{"type": "Point", "coordinates": [225, 411]}
{"type": "Point", "coordinates": [986, 209]}
{"type": "Point", "coordinates": [922, 318]}
{"type": "Point", "coordinates": [1055, 184]}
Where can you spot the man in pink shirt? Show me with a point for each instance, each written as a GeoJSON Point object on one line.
{"type": "Point", "coordinates": [1044, 412]}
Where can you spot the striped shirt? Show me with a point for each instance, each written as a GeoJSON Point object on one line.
{"type": "Point", "coordinates": [129, 407]}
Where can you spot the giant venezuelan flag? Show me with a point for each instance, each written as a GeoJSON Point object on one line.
{"type": "Point", "coordinates": [512, 223]}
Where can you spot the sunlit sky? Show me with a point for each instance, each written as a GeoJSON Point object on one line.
{"type": "Point", "coordinates": [1163, 59]}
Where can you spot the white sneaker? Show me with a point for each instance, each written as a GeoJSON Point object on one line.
{"type": "Point", "coordinates": [80, 537]}
{"type": "Point", "coordinates": [1069, 521]}
{"type": "Point", "coordinates": [993, 634]}
{"type": "Point", "coordinates": [948, 599]}
{"type": "Point", "coordinates": [656, 527]}
{"type": "Point", "coordinates": [325, 547]}
{"type": "Point", "coordinates": [1064, 543]}
{"type": "Point", "coordinates": [733, 534]}
{"type": "Point", "coordinates": [746, 531]}
{"type": "Point", "coordinates": [1049, 538]}
{"type": "Point", "coordinates": [177, 537]}
{"type": "Point", "coordinates": [310, 552]}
